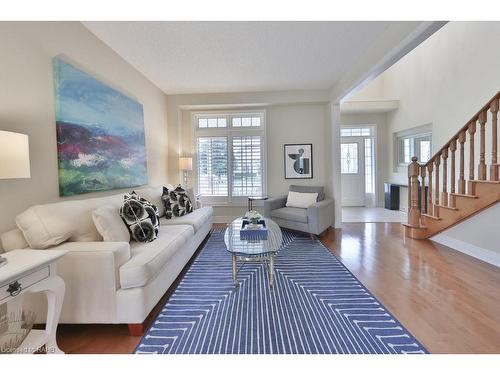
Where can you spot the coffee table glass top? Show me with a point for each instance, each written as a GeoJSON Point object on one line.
{"type": "Point", "coordinates": [238, 246]}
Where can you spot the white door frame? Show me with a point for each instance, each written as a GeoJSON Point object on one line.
{"type": "Point", "coordinates": [375, 150]}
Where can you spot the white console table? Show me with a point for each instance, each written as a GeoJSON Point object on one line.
{"type": "Point", "coordinates": [32, 271]}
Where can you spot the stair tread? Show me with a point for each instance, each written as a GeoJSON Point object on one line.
{"type": "Point", "coordinates": [432, 217]}
{"type": "Point", "coordinates": [414, 226]}
{"type": "Point", "coordinates": [486, 181]}
{"type": "Point", "coordinates": [464, 195]}
{"type": "Point", "coordinates": [446, 207]}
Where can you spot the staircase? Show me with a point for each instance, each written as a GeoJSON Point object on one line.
{"type": "Point", "coordinates": [448, 197]}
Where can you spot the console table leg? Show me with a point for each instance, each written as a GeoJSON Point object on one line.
{"type": "Point", "coordinates": [54, 289]}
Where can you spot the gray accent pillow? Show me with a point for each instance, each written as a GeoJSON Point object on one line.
{"type": "Point", "coordinates": [309, 189]}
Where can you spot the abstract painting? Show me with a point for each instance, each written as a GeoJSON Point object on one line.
{"type": "Point", "coordinates": [298, 161]}
{"type": "Point", "coordinates": [100, 134]}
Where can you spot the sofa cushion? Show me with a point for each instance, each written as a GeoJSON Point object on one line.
{"type": "Point", "coordinates": [147, 259]}
{"type": "Point", "coordinates": [110, 225]}
{"type": "Point", "coordinates": [309, 189]}
{"type": "Point", "coordinates": [291, 214]}
{"type": "Point", "coordinates": [196, 219]}
{"type": "Point", "coordinates": [51, 224]}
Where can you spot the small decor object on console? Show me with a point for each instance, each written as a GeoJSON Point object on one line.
{"type": "Point", "coordinates": [176, 202]}
{"type": "Point", "coordinates": [141, 217]}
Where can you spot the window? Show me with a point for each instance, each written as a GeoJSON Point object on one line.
{"type": "Point", "coordinates": [212, 166]}
{"type": "Point", "coordinates": [349, 158]}
{"type": "Point", "coordinates": [247, 166]}
{"type": "Point", "coordinates": [369, 167]}
{"type": "Point", "coordinates": [414, 142]}
{"type": "Point", "coordinates": [230, 155]}
{"type": "Point", "coordinates": [211, 122]}
{"type": "Point", "coordinates": [355, 132]}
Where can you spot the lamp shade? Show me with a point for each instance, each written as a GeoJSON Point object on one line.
{"type": "Point", "coordinates": [186, 164]}
{"type": "Point", "coordinates": [14, 155]}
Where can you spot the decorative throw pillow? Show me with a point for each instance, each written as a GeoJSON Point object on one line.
{"type": "Point", "coordinates": [176, 202]}
{"type": "Point", "coordinates": [301, 200]}
{"type": "Point", "coordinates": [141, 218]}
{"type": "Point", "coordinates": [109, 224]}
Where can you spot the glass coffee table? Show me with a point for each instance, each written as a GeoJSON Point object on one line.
{"type": "Point", "coordinates": [243, 250]}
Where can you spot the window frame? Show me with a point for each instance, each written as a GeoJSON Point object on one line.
{"type": "Point", "coordinates": [229, 131]}
{"type": "Point", "coordinates": [415, 136]}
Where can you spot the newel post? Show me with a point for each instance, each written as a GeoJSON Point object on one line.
{"type": "Point", "coordinates": [413, 210]}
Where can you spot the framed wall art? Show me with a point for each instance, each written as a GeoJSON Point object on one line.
{"type": "Point", "coordinates": [298, 161]}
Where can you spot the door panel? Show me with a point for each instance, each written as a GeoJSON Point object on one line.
{"type": "Point", "coordinates": [352, 170]}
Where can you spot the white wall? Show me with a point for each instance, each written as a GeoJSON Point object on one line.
{"type": "Point", "coordinates": [443, 82]}
{"type": "Point", "coordinates": [291, 118]}
{"type": "Point", "coordinates": [477, 236]}
{"type": "Point", "coordinates": [27, 104]}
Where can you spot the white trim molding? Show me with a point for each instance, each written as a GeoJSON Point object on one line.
{"type": "Point", "coordinates": [486, 255]}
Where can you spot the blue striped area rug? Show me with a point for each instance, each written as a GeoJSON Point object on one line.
{"type": "Point", "coordinates": [317, 306]}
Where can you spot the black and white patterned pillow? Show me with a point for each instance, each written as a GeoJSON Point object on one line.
{"type": "Point", "coordinates": [141, 217]}
{"type": "Point", "coordinates": [176, 202]}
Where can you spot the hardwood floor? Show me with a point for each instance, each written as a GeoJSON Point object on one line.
{"type": "Point", "coordinates": [447, 300]}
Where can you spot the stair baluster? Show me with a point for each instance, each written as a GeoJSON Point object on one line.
{"type": "Point", "coordinates": [413, 173]}
{"type": "Point", "coordinates": [453, 148]}
{"type": "Point", "coordinates": [482, 143]}
{"type": "Point", "coordinates": [430, 205]}
{"type": "Point", "coordinates": [494, 138]}
{"type": "Point", "coordinates": [444, 196]}
{"type": "Point", "coordinates": [423, 203]}
{"type": "Point", "coordinates": [437, 162]}
{"type": "Point", "coordinates": [461, 178]}
{"type": "Point", "coordinates": [472, 131]}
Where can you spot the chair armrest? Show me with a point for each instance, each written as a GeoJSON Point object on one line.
{"type": "Point", "coordinates": [273, 204]}
{"type": "Point", "coordinates": [320, 216]}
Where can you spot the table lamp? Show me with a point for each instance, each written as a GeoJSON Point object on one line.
{"type": "Point", "coordinates": [186, 165]}
{"type": "Point", "coordinates": [14, 159]}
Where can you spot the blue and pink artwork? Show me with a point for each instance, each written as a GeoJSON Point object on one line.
{"type": "Point", "coordinates": [100, 134]}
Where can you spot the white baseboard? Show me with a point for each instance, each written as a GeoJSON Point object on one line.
{"type": "Point", "coordinates": [486, 255]}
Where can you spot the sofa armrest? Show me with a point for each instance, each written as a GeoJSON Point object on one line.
{"type": "Point", "coordinates": [91, 273]}
{"type": "Point", "coordinates": [320, 216]}
{"type": "Point", "coordinates": [273, 204]}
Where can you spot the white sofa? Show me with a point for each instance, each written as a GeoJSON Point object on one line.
{"type": "Point", "coordinates": [109, 282]}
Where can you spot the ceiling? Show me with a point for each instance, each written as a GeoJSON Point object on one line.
{"type": "Point", "coordinates": [206, 57]}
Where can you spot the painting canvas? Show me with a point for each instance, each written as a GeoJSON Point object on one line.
{"type": "Point", "coordinates": [298, 161]}
{"type": "Point", "coordinates": [100, 134]}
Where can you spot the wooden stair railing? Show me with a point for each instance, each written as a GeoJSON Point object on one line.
{"type": "Point", "coordinates": [449, 199]}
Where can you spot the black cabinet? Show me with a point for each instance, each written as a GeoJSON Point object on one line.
{"type": "Point", "coordinates": [391, 195]}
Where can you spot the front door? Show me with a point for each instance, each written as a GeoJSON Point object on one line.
{"type": "Point", "coordinates": [352, 168]}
